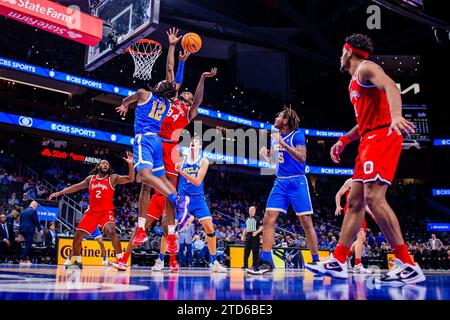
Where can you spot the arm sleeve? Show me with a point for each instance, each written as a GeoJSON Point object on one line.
{"type": "Point", "coordinates": [180, 72]}
{"type": "Point", "coordinates": [299, 139]}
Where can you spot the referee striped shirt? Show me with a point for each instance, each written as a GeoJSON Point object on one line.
{"type": "Point", "coordinates": [252, 224]}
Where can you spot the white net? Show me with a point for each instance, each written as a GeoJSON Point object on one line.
{"type": "Point", "coordinates": [145, 53]}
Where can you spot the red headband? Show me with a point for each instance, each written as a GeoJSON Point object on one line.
{"type": "Point", "coordinates": [360, 52]}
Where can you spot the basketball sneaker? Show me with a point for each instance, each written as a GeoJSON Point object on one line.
{"type": "Point", "coordinates": [217, 267]}
{"type": "Point", "coordinates": [140, 237]}
{"type": "Point", "coordinates": [359, 269]}
{"type": "Point", "coordinates": [261, 267]}
{"type": "Point", "coordinates": [173, 265]}
{"type": "Point", "coordinates": [401, 275]}
{"type": "Point", "coordinates": [159, 265]}
{"type": "Point", "coordinates": [331, 267]}
{"type": "Point", "coordinates": [67, 262]}
{"type": "Point", "coordinates": [119, 265]}
{"type": "Point", "coordinates": [75, 266]}
{"type": "Point", "coordinates": [181, 210]}
{"type": "Point", "coordinates": [105, 261]}
{"type": "Point", "coordinates": [172, 246]}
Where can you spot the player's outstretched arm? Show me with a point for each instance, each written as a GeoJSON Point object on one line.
{"type": "Point", "coordinates": [339, 146]}
{"type": "Point", "coordinates": [196, 181]}
{"type": "Point", "coordinates": [139, 96]}
{"type": "Point", "coordinates": [172, 35]}
{"type": "Point", "coordinates": [347, 184]}
{"type": "Point", "coordinates": [73, 188]}
{"type": "Point", "coordinates": [117, 179]}
{"type": "Point", "coordinates": [198, 95]}
{"type": "Point", "coordinates": [373, 73]}
{"type": "Point", "coordinates": [182, 57]}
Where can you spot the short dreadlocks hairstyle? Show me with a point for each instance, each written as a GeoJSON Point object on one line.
{"type": "Point", "coordinates": [96, 170]}
{"type": "Point", "coordinates": [292, 117]}
{"type": "Point", "coordinates": [165, 89]}
{"type": "Point", "coordinates": [360, 41]}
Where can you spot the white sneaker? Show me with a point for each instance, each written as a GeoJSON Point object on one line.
{"type": "Point", "coordinates": [361, 270]}
{"type": "Point", "coordinates": [67, 262]}
{"type": "Point", "coordinates": [105, 262]}
{"type": "Point", "coordinates": [331, 267]}
{"type": "Point", "coordinates": [402, 275]}
{"type": "Point", "coordinates": [217, 267]}
{"type": "Point", "coordinates": [159, 265]}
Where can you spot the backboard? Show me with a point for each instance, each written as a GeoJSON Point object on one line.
{"type": "Point", "coordinates": [124, 23]}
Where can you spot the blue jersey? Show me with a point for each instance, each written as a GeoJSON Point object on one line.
{"type": "Point", "coordinates": [184, 186]}
{"type": "Point", "coordinates": [287, 165]}
{"type": "Point", "coordinates": [150, 114]}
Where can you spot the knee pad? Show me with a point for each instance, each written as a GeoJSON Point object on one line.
{"type": "Point", "coordinates": [211, 235]}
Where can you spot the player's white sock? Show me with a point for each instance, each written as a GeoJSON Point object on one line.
{"type": "Point", "coordinates": [119, 256]}
{"type": "Point", "coordinates": [141, 222]}
{"type": "Point", "coordinates": [77, 259]}
{"type": "Point", "coordinates": [171, 229]}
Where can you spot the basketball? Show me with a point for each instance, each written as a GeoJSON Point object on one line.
{"type": "Point", "coordinates": [191, 42]}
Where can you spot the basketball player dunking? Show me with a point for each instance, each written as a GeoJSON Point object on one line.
{"type": "Point", "coordinates": [101, 184]}
{"type": "Point", "coordinates": [380, 125]}
{"type": "Point", "coordinates": [357, 246]}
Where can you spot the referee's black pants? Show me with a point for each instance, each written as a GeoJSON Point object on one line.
{"type": "Point", "coordinates": [251, 244]}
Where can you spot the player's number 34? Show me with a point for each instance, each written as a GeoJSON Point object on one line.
{"type": "Point", "coordinates": [157, 111]}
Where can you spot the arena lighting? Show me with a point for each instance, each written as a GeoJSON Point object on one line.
{"type": "Point", "coordinates": [37, 86]}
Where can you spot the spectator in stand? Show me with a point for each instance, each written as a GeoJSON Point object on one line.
{"type": "Point", "coordinates": [31, 193]}
{"type": "Point", "coordinates": [13, 202]}
{"type": "Point", "coordinates": [333, 243]}
{"type": "Point", "coordinates": [435, 246]}
{"type": "Point", "coordinates": [3, 175]}
{"type": "Point", "coordinates": [83, 203]}
{"type": "Point", "coordinates": [157, 229]}
{"type": "Point", "coordinates": [51, 239]}
{"type": "Point", "coordinates": [380, 239]}
{"type": "Point", "coordinates": [185, 239]}
{"type": "Point", "coordinates": [200, 251]}
{"type": "Point", "coordinates": [370, 239]}
{"type": "Point", "coordinates": [42, 192]}
{"type": "Point", "coordinates": [61, 185]}
{"type": "Point", "coordinates": [7, 239]}
{"type": "Point", "coordinates": [28, 223]}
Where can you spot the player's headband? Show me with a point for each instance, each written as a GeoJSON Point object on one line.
{"type": "Point", "coordinates": [360, 52]}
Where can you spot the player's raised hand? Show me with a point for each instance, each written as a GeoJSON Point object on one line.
{"type": "Point", "coordinates": [122, 110]}
{"type": "Point", "coordinates": [53, 195]}
{"type": "Point", "coordinates": [172, 35]}
{"type": "Point", "coordinates": [130, 157]}
{"type": "Point", "coordinates": [210, 74]}
{"type": "Point", "coordinates": [401, 126]}
{"type": "Point", "coordinates": [338, 211]}
{"type": "Point", "coordinates": [264, 152]}
{"type": "Point", "coordinates": [182, 56]}
{"type": "Point", "coordinates": [336, 151]}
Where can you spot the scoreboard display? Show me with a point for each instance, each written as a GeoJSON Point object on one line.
{"type": "Point", "coordinates": [418, 114]}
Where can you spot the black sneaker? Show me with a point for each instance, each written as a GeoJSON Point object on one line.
{"type": "Point", "coordinates": [262, 267]}
{"type": "Point", "coordinates": [75, 266]}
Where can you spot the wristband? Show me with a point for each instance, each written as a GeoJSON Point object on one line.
{"type": "Point", "coordinates": [345, 140]}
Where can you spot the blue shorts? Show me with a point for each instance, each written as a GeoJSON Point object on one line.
{"type": "Point", "coordinates": [293, 190]}
{"type": "Point", "coordinates": [96, 234]}
{"type": "Point", "coordinates": [147, 150]}
{"type": "Point", "coordinates": [198, 207]}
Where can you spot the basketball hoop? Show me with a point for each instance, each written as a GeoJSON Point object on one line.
{"type": "Point", "coordinates": [145, 52]}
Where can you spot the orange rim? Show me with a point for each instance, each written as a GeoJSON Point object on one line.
{"type": "Point", "coordinates": [145, 53]}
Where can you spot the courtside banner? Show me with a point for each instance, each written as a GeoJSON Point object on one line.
{"type": "Point", "coordinates": [90, 251]}
{"type": "Point", "coordinates": [68, 22]}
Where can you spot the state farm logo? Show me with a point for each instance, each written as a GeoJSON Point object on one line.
{"type": "Point", "coordinates": [10, 1]}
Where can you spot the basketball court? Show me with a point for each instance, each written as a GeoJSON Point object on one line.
{"type": "Point", "coordinates": [116, 34]}
{"type": "Point", "coordinates": [139, 283]}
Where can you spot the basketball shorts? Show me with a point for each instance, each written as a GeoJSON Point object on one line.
{"type": "Point", "coordinates": [156, 207]}
{"type": "Point", "coordinates": [91, 220]}
{"type": "Point", "coordinates": [170, 157]}
{"type": "Point", "coordinates": [147, 150]}
{"type": "Point", "coordinates": [292, 190]}
{"type": "Point", "coordinates": [378, 156]}
{"type": "Point", "coordinates": [96, 234]}
{"type": "Point", "coordinates": [198, 207]}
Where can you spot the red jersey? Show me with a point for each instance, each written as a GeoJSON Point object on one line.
{"type": "Point", "coordinates": [371, 105]}
{"type": "Point", "coordinates": [101, 194]}
{"type": "Point", "coordinates": [176, 120]}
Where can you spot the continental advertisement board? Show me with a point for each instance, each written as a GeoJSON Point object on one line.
{"type": "Point", "coordinates": [90, 251]}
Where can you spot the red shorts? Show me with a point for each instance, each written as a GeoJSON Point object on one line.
{"type": "Point", "coordinates": [156, 207]}
{"type": "Point", "coordinates": [170, 157]}
{"type": "Point", "coordinates": [91, 220]}
{"type": "Point", "coordinates": [378, 156]}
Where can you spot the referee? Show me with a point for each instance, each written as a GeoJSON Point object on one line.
{"type": "Point", "coordinates": [251, 236]}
